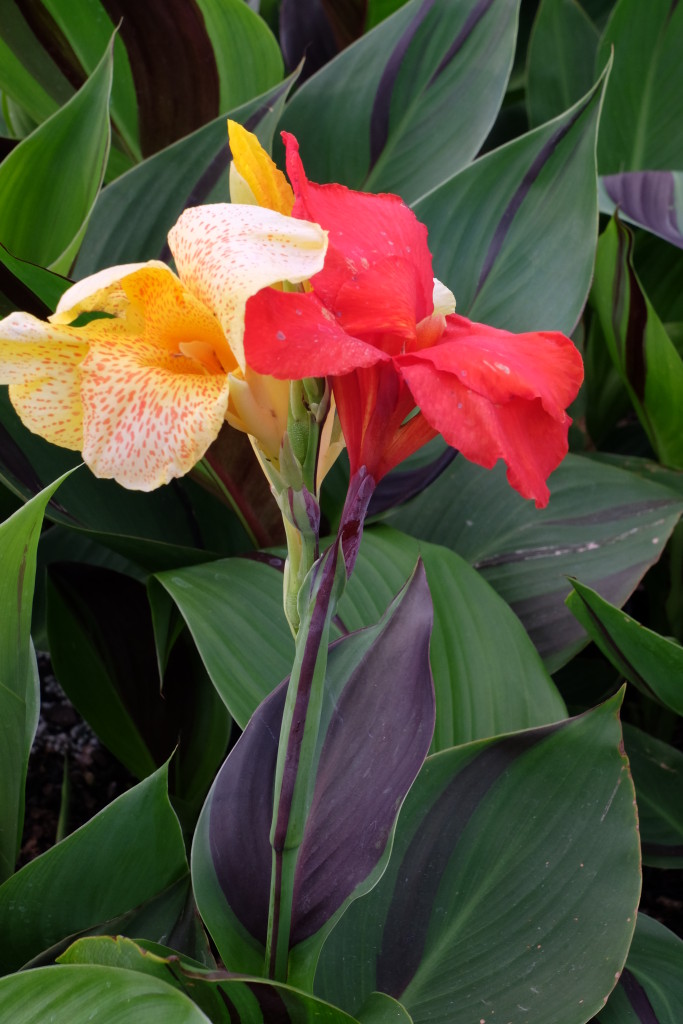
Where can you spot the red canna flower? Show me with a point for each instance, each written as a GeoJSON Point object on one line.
{"type": "Point", "coordinates": [403, 366]}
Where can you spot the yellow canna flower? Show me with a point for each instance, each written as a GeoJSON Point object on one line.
{"type": "Point", "coordinates": [143, 390]}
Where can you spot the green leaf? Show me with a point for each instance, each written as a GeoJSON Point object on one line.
{"type": "Point", "coordinates": [507, 228]}
{"type": "Point", "coordinates": [427, 84]}
{"type": "Point", "coordinates": [134, 214]}
{"type": "Point", "coordinates": [651, 662]}
{"type": "Point", "coordinates": [123, 953]}
{"type": "Point", "coordinates": [639, 346]}
{"type": "Point", "coordinates": [657, 770]}
{"type": "Point", "coordinates": [604, 524]}
{"type": "Point", "coordinates": [651, 986]}
{"type": "Point", "coordinates": [59, 168]}
{"type": "Point", "coordinates": [644, 101]}
{"type": "Point", "coordinates": [380, 1008]}
{"type": "Point", "coordinates": [108, 866]}
{"type": "Point", "coordinates": [524, 852]}
{"type": "Point", "coordinates": [560, 59]}
{"type": "Point", "coordinates": [69, 993]}
{"type": "Point", "coordinates": [19, 277]}
{"type": "Point", "coordinates": [18, 83]}
{"type": "Point", "coordinates": [482, 688]}
{"type": "Point", "coordinates": [19, 687]}
{"type": "Point", "coordinates": [247, 55]}
{"type": "Point", "coordinates": [87, 30]}
{"type": "Point", "coordinates": [233, 609]}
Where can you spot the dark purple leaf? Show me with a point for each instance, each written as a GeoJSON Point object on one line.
{"type": "Point", "coordinates": [377, 738]}
{"type": "Point", "coordinates": [377, 725]}
{"type": "Point", "coordinates": [173, 65]}
{"type": "Point", "coordinates": [649, 199]}
{"type": "Point", "coordinates": [637, 997]}
{"type": "Point", "coordinates": [306, 34]}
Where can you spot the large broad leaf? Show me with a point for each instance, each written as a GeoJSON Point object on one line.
{"type": "Point", "coordinates": [512, 886]}
{"type": "Point", "coordinates": [427, 84]}
{"type": "Point", "coordinates": [650, 199]}
{"type": "Point", "coordinates": [650, 990]}
{"type": "Point", "coordinates": [506, 229]}
{"type": "Point", "coordinates": [72, 993]}
{"type": "Point", "coordinates": [651, 662]}
{"type": "Point", "coordinates": [560, 59]}
{"type": "Point", "coordinates": [644, 101]}
{"type": "Point", "coordinates": [124, 856]}
{"type": "Point", "coordinates": [375, 730]}
{"type": "Point", "coordinates": [224, 1000]}
{"type": "Point", "coordinates": [49, 183]}
{"type": "Point", "coordinates": [603, 525]}
{"type": "Point", "coordinates": [483, 687]}
{"type": "Point", "coordinates": [638, 344]}
{"type": "Point", "coordinates": [19, 687]}
{"type": "Point", "coordinates": [247, 55]}
{"type": "Point", "coordinates": [657, 769]}
{"type": "Point", "coordinates": [233, 610]}
{"type": "Point", "coordinates": [134, 214]}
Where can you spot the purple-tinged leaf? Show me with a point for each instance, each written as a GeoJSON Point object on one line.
{"type": "Point", "coordinates": [402, 485]}
{"type": "Point", "coordinates": [427, 85]}
{"type": "Point", "coordinates": [540, 196]}
{"type": "Point", "coordinates": [650, 989]}
{"type": "Point", "coordinates": [375, 732]}
{"type": "Point", "coordinates": [650, 199]}
{"type": "Point", "coordinates": [512, 885]}
{"type": "Point", "coordinates": [527, 554]}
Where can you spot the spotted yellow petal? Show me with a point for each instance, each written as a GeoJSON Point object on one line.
{"type": "Point", "coordinates": [149, 415]}
{"type": "Point", "coordinates": [151, 302]}
{"type": "Point", "coordinates": [41, 363]}
{"type": "Point", "coordinates": [226, 253]}
{"type": "Point", "coordinates": [253, 170]}
{"type": "Point", "coordinates": [100, 292]}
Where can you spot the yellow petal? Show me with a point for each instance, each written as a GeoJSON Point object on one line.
{"type": "Point", "coordinates": [444, 299]}
{"type": "Point", "coordinates": [255, 170]}
{"type": "Point", "coordinates": [226, 253]}
{"type": "Point", "coordinates": [149, 415]}
{"type": "Point", "coordinates": [101, 292]}
{"type": "Point", "coordinates": [259, 406]}
{"type": "Point", "coordinates": [41, 363]}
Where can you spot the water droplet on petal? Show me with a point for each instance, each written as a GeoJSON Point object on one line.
{"type": "Point", "coordinates": [281, 336]}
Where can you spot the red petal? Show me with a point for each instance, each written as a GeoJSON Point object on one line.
{"type": "Point", "coordinates": [364, 229]}
{"type": "Point", "coordinates": [292, 335]}
{"type": "Point", "coordinates": [519, 431]}
{"type": "Point", "coordinates": [500, 365]}
{"type": "Point", "coordinates": [373, 405]}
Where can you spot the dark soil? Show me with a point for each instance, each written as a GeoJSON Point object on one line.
{"type": "Point", "coordinates": [64, 743]}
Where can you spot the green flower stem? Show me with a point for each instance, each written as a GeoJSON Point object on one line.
{"type": "Point", "coordinates": [295, 771]}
